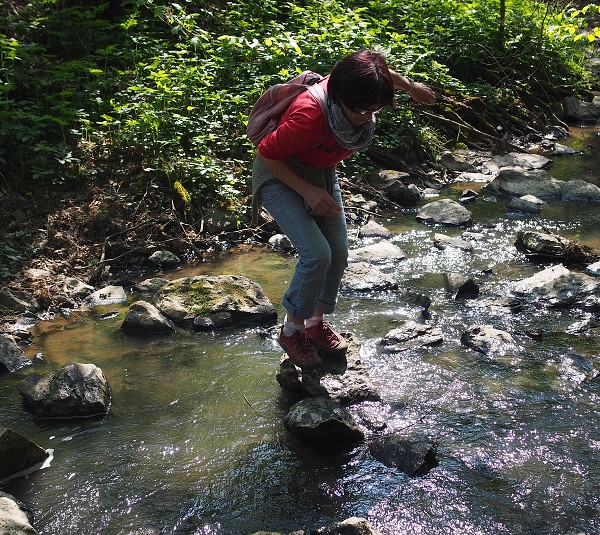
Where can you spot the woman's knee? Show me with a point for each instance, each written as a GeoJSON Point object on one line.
{"type": "Point", "coordinates": [317, 258]}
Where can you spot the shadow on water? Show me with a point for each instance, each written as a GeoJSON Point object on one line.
{"type": "Point", "coordinates": [194, 441]}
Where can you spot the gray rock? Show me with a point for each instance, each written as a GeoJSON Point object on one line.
{"type": "Point", "coordinates": [364, 277]}
{"type": "Point", "coordinates": [576, 368]}
{"type": "Point", "coordinates": [461, 286]}
{"type": "Point", "coordinates": [382, 251]}
{"type": "Point", "coordinates": [165, 259]}
{"type": "Point", "coordinates": [37, 274]}
{"type": "Point", "coordinates": [18, 454]}
{"type": "Point", "coordinates": [522, 160]}
{"type": "Point", "coordinates": [75, 391]}
{"type": "Point", "coordinates": [442, 241]}
{"type": "Point", "coordinates": [184, 299]}
{"type": "Point", "coordinates": [558, 149]}
{"type": "Point", "coordinates": [452, 162]}
{"type": "Point", "coordinates": [359, 201]}
{"type": "Point", "coordinates": [350, 526]}
{"type": "Point", "coordinates": [474, 177]}
{"type": "Point", "coordinates": [393, 184]}
{"type": "Point", "coordinates": [109, 295]}
{"type": "Point", "coordinates": [411, 336]}
{"type": "Point", "coordinates": [218, 320]}
{"type": "Point", "coordinates": [374, 230]}
{"type": "Point", "coordinates": [344, 379]}
{"type": "Point", "coordinates": [414, 457]}
{"type": "Point", "coordinates": [143, 317]}
{"type": "Point", "coordinates": [489, 340]}
{"type": "Point", "coordinates": [546, 246]}
{"type": "Point", "coordinates": [468, 196]}
{"type": "Point", "coordinates": [580, 111]}
{"type": "Point", "coordinates": [557, 287]}
{"type": "Point", "coordinates": [17, 301]}
{"type": "Point", "coordinates": [445, 212]}
{"type": "Point", "coordinates": [77, 288]}
{"type": "Point", "coordinates": [280, 242]}
{"type": "Point", "coordinates": [11, 357]}
{"type": "Point", "coordinates": [151, 285]}
{"type": "Point", "coordinates": [580, 190]}
{"type": "Point", "coordinates": [15, 519]}
{"type": "Point", "coordinates": [526, 203]}
{"type": "Point", "coordinates": [322, 422]}
{"type": "Point", "coordinates": [593, 269]}
{"type": "Point", "coordinates": [518, 182]}
{"type": "Point", "coordinates": [542, 244]}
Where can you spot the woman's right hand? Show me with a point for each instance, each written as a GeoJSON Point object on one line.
{"type": "Point", "coordinates": [321, 202]}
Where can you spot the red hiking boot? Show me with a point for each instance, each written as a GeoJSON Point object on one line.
{"type": "Point", "coordinates": [299, 350]}
{"type": "Point", "coordinates": [325, 338]}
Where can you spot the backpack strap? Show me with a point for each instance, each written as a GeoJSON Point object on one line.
{"type": "Point", "coordinates": [319, 95]}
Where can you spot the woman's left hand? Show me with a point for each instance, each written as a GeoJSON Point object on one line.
{"type": "Point", "coordinates": [422, 93]}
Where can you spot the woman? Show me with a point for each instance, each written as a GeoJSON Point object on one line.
{"type": "Point", "coordinates": [294, 178]}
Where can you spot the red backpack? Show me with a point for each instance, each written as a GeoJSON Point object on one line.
{"type": "Point", "coordinates": [271, 105]}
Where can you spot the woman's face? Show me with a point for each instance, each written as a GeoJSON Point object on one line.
{"type": "Point", "coordinates": [359, 117]}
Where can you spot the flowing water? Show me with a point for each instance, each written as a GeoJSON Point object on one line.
{"type": "Point", "coordinates": [194, 441]}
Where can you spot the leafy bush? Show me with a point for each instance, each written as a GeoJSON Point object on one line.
{"type": "Point", "coordinates": [164, 90]}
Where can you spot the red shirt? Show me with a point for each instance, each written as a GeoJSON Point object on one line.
{"type": "Point", "coordinates": [304, 133]}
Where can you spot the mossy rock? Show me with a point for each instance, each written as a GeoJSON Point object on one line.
{"type": "Point", "coordinates": [204, 300]}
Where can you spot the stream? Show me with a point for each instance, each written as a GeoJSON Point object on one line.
{"type": "Point", "coordinates": [194, 441]}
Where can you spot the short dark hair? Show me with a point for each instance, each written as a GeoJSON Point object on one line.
{"type": "Point", "coordinates": [362, 80]}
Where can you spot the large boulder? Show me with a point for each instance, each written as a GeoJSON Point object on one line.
{"type": "Point", "coordinates": [76, 390]}
{"type": "Point", "coordinates": [18, 454]}
{"type": "Point", "coordinates": [11, 357]}
{"type": "Point", "coordinates": [214, 301]}
{"type": "Point", "coordinates": [322, 422]}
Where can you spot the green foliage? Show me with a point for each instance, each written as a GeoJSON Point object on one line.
{"type": "Point", "coordinates": [167, 86]}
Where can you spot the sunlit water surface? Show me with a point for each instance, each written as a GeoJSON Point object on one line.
{"type": "Point", "coordinates": [194, 441]}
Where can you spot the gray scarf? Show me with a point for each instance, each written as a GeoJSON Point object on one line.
{"type": "Point", "coordinates": [346, 134]}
